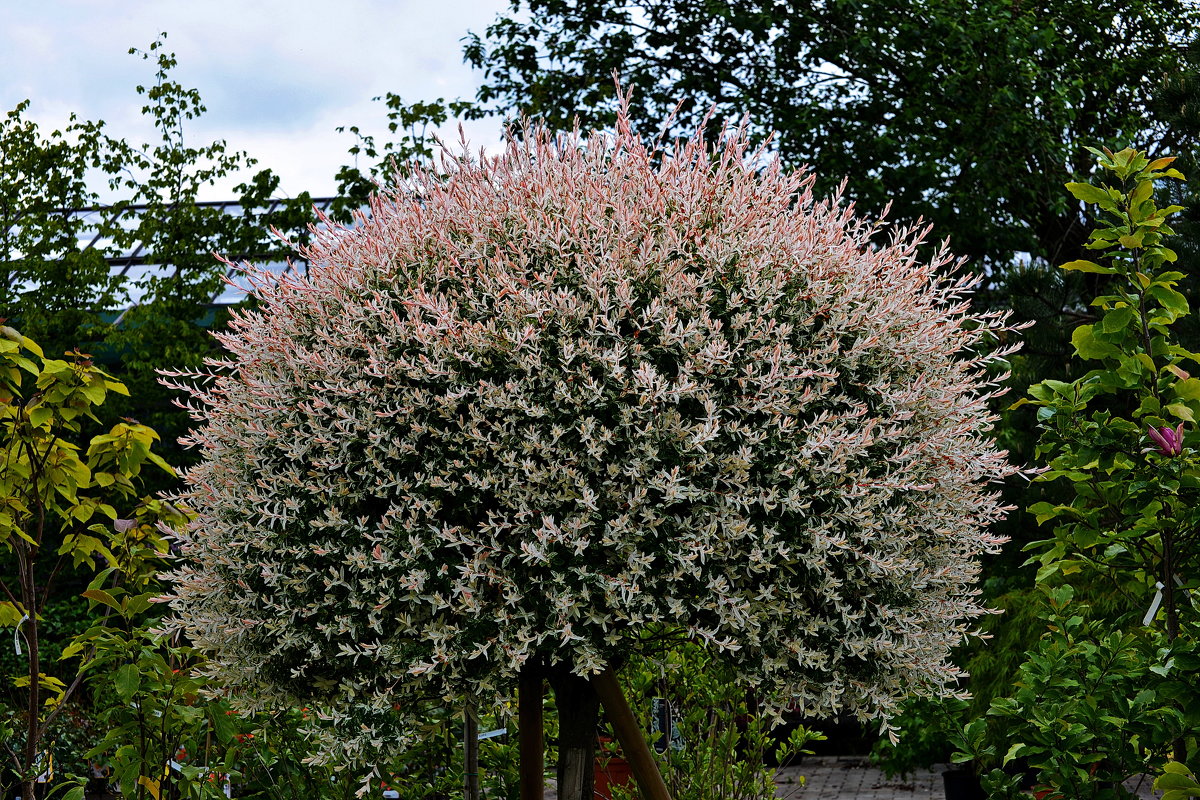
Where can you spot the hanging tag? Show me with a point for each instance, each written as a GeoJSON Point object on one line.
{"type": "Point", "coordinates": [17, 635]}
{"type": "Point", "coordinates": [1146, 620]}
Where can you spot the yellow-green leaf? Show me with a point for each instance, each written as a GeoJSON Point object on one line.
{"type": "Point", "coordinates": [1181, 412]}
{"type": "Point", "coordinates": [1116, 319]}
{"type": "Point", "coordinates": [1088, 346]}
{"type": "Point", "coordinates": [101, 596]}
{"type": "Point", "coordinates": [1133, 240]}
{"type": "Point", "coordinates": [1087, 266]}
{"type": "Point", "coordinates": [150, 784]}
{"type": "Point", "coordinates": [1090, 194]}
{"type": "Point", "coordinates": [10, 615]}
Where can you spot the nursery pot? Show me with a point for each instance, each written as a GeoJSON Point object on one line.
{"type": "Point", "coordinates": [610, 770]}
{"type": "Point", "coordinates": [962, 784]}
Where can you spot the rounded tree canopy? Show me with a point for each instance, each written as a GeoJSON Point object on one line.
{"type": "Point", "coordinates": [587, 393]}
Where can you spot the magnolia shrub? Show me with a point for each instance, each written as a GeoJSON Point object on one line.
{"type": "Point", "coordinates": [546, 404]}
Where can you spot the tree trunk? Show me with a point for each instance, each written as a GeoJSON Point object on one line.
{"type": "Point", "coordinates": [578, 712]}
{"type": "Point", "coordinates": [1168, 581]}
{"type": "Point", "coordinates": [530, 744]}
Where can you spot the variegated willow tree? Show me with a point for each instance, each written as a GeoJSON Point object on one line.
{"type": "Point", "coordinates": [539, 411]}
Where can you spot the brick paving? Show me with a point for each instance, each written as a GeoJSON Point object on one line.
{"type": "Point", "coordinates": [853, 778]}
{"type": "Point", "coordinates": [849, 777]}
{"type": "Point", "coordinates": [846, 777]}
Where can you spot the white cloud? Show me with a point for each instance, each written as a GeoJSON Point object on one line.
{"type": "Point", "coordinates": [277, 76]}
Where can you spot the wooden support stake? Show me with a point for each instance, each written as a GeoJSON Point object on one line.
{"type": "Point", "coordinates": [470, 753]}
{"type": "Point", "coordinates": [530, 744]}
{"type": "Point", "coordinates": [633, 743]}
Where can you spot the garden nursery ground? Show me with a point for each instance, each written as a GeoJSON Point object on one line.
{"type": "Point", "coordinates": [853, 778]}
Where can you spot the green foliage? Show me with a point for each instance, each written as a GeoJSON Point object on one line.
{"type": "Point", "coordinates": [180, 235]}
{"type": "Point", "coordinates": [1135, 512]}
{"type": "Point", "coordinates": [922, 730]}
{"type": "Point", "coordinates": [160, 740]}
{"type": "Point", "coordinates": [724, 747]}
{"type": "Point", "coordinates": [53, 286]}
{"type": "Point", "coordinates": [1177, 782]}
{"type": "Point", "coordinates": [387, 162]}
{"type": "Point", "coordinates": [955, 111]}
{"type": "Point", "coordinates": [1101, 698]}
{"type": "Point", "coordinates": [65, 296]}
{"type": "Point", "coordinates": [1094, 705]}
{"type": "Point", "coordinates": [56, 496]}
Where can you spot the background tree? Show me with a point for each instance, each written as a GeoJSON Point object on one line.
{"type": "Point", "coordinates": [581, 401]}
{"type": "Point", "coordinates": [53, 286]}
{"type": "Point", "coordinates": [965, 113]}
{"type": "Point", "coordinates": [57, 510]}
{"type": "Point", "coordinates": [64, 293]}
{"type": "Point", "coordinates": [169, 325]}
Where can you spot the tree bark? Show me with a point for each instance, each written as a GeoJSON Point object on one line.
{"type": "Point", "coordinates": [578, 713]}
{"type": "Point", "coordinates": [530, 742]}
{"type": "Point", "coordinates": [633, 744]}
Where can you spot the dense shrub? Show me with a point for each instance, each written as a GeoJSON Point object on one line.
{"type": "Point", "coordinates": [533, 404]}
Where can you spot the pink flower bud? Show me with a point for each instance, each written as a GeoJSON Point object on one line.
{"type": "Point", "coordinates": [1169, 440]}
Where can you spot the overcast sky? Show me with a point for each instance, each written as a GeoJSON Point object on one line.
{"type": "Point", "coordinates": [277, 76]}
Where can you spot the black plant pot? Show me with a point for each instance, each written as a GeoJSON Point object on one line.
{"type": "Point", "coordinates": [962, 784]}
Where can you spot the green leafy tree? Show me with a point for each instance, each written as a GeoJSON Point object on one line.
{"type": "Point", "coordinates": [169, 324]}
{"type": "Point", "coordinates": [387, 163]}
{"type": "Point", "coordinates": [48, 281]}
{"type": "Point", "coordinates": [57, 496]}
{"type": "Point", "coordinates": [1120, 440]}
{"type": "Point", "coordinates": [956, 112]}
{"type": "Point", "coordinates": [64, 294]}
{"type": "Point", "coordinates": [1117, 435]}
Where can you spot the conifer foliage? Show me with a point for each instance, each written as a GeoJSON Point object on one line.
{"type": "Point", "coordinates": [548, 406]}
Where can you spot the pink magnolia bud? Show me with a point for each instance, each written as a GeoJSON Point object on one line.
{"type": "Point", "coordinates": [1169, 440]}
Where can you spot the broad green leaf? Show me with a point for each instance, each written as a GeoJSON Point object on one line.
{"type": "Point", "coordinates": [40, 415]}
{"type": "Point", "coordinates": [223, 727]}
{"type": "Point", "coordinates": [1013, 752]}
{"type": "Point", "coordinates": [1181, 412]}
{"type": "Point", "coordinates": [1141, 193]}
{"type": "Point", "coordinates": [101, 596]}
{"type": "Point", "coordinates": [1188, 389]}
{"type": "Point", "coordinates": [1092, 195]}
{"type": "Point", "coordinates": [127, 680]}
{"type": "Point", "coordinates": [73, 649]}
{"type": "Point", "coordinates": [1116, 319]}
{"type": "Point", "coordinates": [10, 615]}
{"type": "Point", "coordinates": [1088, 266]}
{"type": "Point", "coordinates": [1088, 346]}
{"type": "Point", "coordinates": [1170, 298]}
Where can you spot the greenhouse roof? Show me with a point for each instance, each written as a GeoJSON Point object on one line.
{"type": "Point", "coordinates": [133, 262]}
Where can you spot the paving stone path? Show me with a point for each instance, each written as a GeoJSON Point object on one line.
{"type": "Point", "coordinates": [845, 777]}
{"type": "Point", "coordinates": [853, 778]}
{"type": "Point", "coordinates": [848, 777]}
